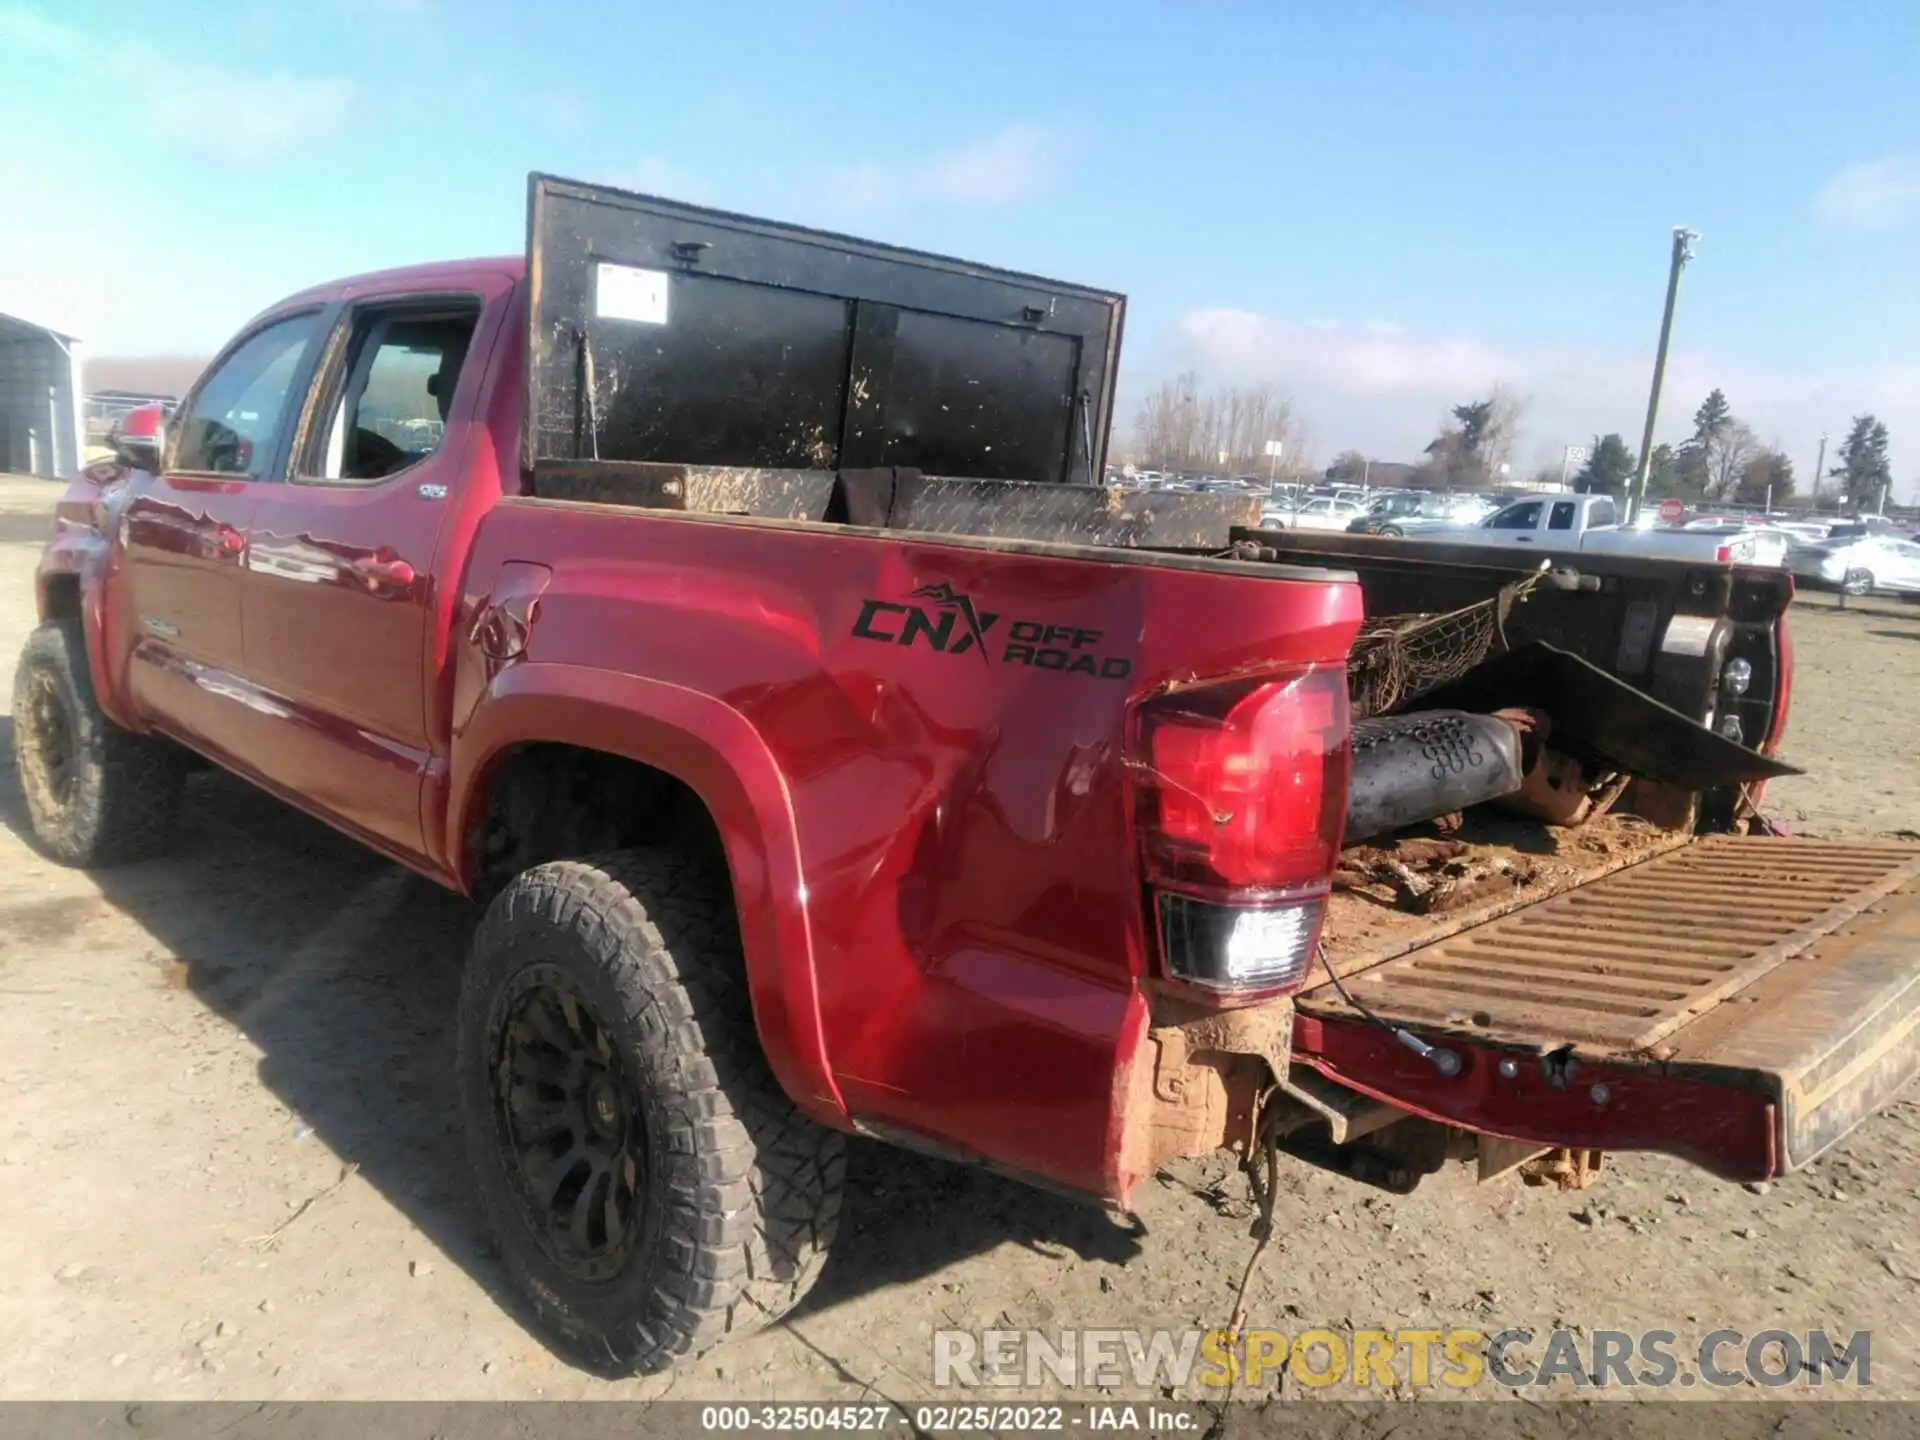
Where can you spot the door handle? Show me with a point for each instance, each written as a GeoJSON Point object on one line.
{"type": "Point", "coordinates": [384, 574]}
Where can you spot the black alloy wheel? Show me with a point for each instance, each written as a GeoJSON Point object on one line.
{"type": "Point", "coordinates": [571, 1121]}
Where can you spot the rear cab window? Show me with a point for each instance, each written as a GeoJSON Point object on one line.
{"type": "Point", "coordinates": [386, 393]}
{"type": "Point", "coordinates": [1561, 517]}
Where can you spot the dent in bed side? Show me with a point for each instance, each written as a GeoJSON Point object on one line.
{"type": "Point", "coordinates": [717, 754]}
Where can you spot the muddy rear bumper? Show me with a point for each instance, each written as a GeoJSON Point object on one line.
{"type": "Point", "coordinates": [1830, 1040]}
{"type": "Point", "coordinates": [1756, 1081]}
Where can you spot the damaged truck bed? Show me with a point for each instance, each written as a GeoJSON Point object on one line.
{"type": "Point", "coordinates": [1647, 1010]}
{"type": "Point", "coordinates": [1610, 950]}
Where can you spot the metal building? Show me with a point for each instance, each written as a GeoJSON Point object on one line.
{"type": "Point", "coordinates": [40, 429]}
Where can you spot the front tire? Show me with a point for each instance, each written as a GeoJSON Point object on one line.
{"type": "Point", "coordinates": [1858, 582]}
{"type": "Point", "coordinates": [97, 795]}
{"type": "Point", "coordinates": [651, 1187]}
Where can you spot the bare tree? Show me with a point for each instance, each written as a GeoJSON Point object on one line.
{"type": "Point", "coordinates": [1507, 407]}
{"type": "Point", "coordinates": [1728, 453]}
{"type": "Point", "coordinates": [1179, 426]}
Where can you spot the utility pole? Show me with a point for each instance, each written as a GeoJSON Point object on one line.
{"type": "Point", "coordinates": [1819, 469]}
{"type": "Point", "coordinates": [1683, 239]}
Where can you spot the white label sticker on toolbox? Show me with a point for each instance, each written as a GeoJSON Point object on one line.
{"type": "Point", "coordinates": [622, 292]}
{"type": "Point", "coordinates": [1688, 635]}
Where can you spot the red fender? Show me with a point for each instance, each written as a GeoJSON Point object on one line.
{"type": "Point", "coordinates": [84, 554]}
{"type": "Point", "coordinates": [715, 752]}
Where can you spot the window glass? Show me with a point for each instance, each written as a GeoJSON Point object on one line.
{"type": "Point", "coordinates": [1517, 517]}
{"type": "Point", "coordinates": [393, 410]}
{"type": "Point", "coordinates": [229, 428]}
{"type": "Point", "coordinates": [1562, 516]}
{"type": "Point", "coordinates": [1602, 513]}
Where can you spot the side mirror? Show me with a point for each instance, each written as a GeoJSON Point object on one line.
{"type": "Point", "coordinates": [141, 441]}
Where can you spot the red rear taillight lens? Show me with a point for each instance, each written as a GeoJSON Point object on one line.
{"type": "Point", "coordinates": [1240, 797]}
{"type": "Point", "coordinates": [1243, 786]}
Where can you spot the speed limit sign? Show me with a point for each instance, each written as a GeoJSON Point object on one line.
{"type": "Point", "coordinates": [1672, 511]}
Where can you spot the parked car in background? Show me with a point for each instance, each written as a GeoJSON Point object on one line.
{"type": "Point", "coordinates": [1319, 512]}
{"type": "Point", "coordinates": [1770, 545]}
{"type": "Point", "coordinates": [1859, 565]}
{"type": "Point", "coordinates": [1591, 523]}
{"type": "Point", "coordinates": [1803, 532]}
{"type": "Point", "coordinates": [1412, 512]}
{"type": "Point", "coordinates": [1383, 509]}
{"type": "Point", "coordinates": [1867, 526]}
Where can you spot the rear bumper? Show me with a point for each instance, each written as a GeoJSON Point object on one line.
{"type": "Point", "coordinates": [1765, 1081]}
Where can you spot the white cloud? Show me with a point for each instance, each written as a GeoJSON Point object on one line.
{"type": "Point", "coordinates": [231, 114]}
{"type": "Point", "coordinates": [1383, 390]}
{"type": "Point", "coordinates": [1011, 164]}
{"type": "Point", "coordinates": [244, 119]}
{"type": "Point", "coordinates": [1873, 195]}
{"type": "Point", "coordinates": [1008, 165]}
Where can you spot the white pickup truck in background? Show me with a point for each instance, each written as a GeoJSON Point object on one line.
{"type": "Point", "coordinates": [1591, 523]}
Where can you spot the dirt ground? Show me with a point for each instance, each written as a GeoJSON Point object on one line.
{"type": "Point", "coordinates": [229, 1162]}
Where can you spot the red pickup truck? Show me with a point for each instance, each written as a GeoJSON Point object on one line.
{"type": "Point", "coordinates": [734, 610]}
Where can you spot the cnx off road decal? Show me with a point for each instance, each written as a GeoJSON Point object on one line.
{"type": "Point", "coordinates": [950, 623]}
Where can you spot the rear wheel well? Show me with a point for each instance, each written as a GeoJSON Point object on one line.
{"type": "Point", "coordinates": [559, 802]}
{"type": "Point", "coordinates": [60, 598]}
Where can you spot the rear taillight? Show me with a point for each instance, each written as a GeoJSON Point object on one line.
{"type": "Point", "coordinates": [1240, 797]}
{"type": "Point", "coordinates": [1723, 553]}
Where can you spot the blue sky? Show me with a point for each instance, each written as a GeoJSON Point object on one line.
{"type": "Point", "coordinates": [1383, 208]}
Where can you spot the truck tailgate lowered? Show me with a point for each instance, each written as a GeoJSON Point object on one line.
{"type": "Point", "coordinates": [1743, 1002]}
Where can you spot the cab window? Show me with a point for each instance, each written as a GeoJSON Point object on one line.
{"type": "Point", "coordinates": [386, 405]}
{"type": "Point", "coordinates": [1562, 516]}
{"type": "Point", "coordinates": [1517, 517]}
{"type": "Point", "coordinates": [232, 422]}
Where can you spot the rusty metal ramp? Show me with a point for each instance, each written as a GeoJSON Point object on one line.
{"type": "Point", "coordinates": [1619, 964]}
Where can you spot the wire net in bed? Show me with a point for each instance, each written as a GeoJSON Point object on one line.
{"type": "Point", "coordinates": [1399, 658]}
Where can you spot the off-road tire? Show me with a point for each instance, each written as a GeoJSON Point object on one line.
{"type": "Point", "coordinates": [97, 795]}
{"type": "Point", "coordinates": [1858, 582]}
{"type": "Point", "coordinates": [742, 1192]}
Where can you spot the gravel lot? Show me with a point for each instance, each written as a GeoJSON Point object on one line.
{"type": "Point", "coordinates": [229, 1165]}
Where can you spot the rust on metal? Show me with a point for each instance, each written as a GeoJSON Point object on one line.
{"type": "Point", "coordinates": [1567, 1169]}
{"type": "Point", "coordinates": [1196, 1087]}
{"type": "Point", "coordinates": [1618, 964]}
